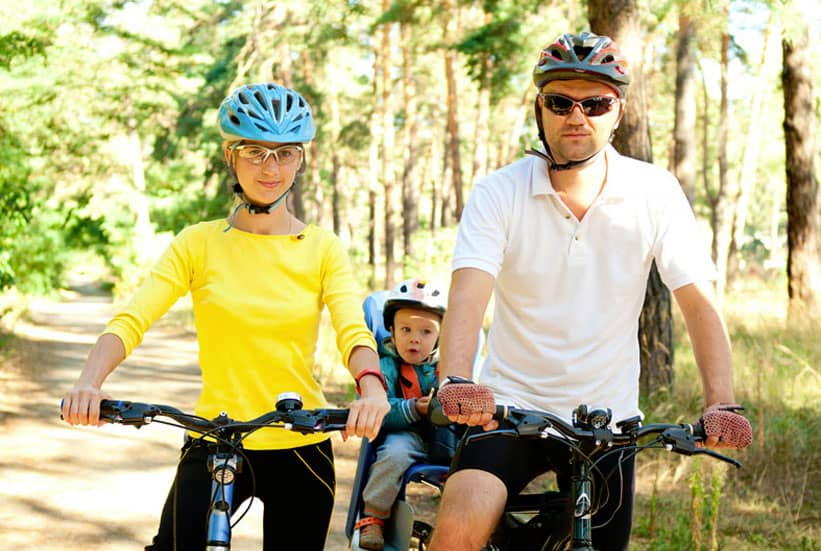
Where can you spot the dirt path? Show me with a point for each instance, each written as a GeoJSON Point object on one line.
{"type": "Point", "coordinates": [94, 489]}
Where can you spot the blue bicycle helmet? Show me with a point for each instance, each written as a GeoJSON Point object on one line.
{"type": "Point", "coordinates": [266, 112]}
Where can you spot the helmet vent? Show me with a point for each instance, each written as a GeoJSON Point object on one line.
{"type": "Point", "coordinates": [289, 102]}
{"type": "Point", "coordinates": [582, 52]}
{"type": "Point", "coordinates": [404, 288]}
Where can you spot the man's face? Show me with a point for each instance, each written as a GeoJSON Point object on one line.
{"type": "Point", "coordinates": [575, 136]}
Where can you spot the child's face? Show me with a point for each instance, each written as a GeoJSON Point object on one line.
{"type": "Point", "coordinates": [415, 333]}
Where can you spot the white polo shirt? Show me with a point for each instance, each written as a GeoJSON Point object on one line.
{"type": "Point", "coordinates": [568, 293]}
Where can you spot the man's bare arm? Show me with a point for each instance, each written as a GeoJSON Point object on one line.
{"type": "Point", "coordinates": [469, 294]}
{"type": "Point", "coordinates": [711, 345]}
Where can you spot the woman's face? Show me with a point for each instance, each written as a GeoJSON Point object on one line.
{"type": "Point", "coordinates": [265, 170]}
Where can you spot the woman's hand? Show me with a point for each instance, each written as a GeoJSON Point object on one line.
{"type": "Point", "coordinates": [81, 405]}
{"type": "Point", "coordinates": [366, 413]}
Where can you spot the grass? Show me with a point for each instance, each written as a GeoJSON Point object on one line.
{"type": "Point", "coordinates": [772, 502]}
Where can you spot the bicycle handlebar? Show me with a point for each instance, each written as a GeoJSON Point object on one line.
{"type": "Point", "coordinates": [300, 420]}
{"type": "Point", "coordinates": [681, 438]}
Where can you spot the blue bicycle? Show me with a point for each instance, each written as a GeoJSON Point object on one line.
{"type": "Point", "coordinates": [224, 437]}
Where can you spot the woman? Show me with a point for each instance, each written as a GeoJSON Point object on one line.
{"type": "Point", "coordinates": [258, 287]}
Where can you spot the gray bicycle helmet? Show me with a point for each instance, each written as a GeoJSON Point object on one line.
{"type": "Point", "coordinates": [266, 112]}
{"type": "Point", "coordinates": [414, 293]}
{"type": "Point", "coordinates": [585, 56]}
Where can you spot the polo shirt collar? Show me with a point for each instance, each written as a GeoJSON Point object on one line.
{"type": "Point", "coordinates": [615, 189]}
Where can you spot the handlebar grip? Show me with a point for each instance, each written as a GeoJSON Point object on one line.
{"type": "Point", "coordinates": [501, 412]}
{"type": "Point", "coordinates": [108, 408]}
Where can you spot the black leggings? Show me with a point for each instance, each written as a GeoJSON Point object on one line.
{"type": "Point", "coordinates": [296, 486]}
{"type": "Point", "coordinates": [518, 461]}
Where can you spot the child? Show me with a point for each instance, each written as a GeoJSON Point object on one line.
{"type": "Point", "coordinates": [413, 314]}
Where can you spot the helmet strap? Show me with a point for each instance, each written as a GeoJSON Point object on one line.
{"type": "Point", "coordinates": [252, 207]}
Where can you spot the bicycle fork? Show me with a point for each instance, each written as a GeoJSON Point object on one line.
{"type": "Point", "coordinates": [582, 521]}
{"type": "Point", "coordinates": [224, 468]}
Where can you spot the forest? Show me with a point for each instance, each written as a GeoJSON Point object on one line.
{"type": "Point", "coordinates": [109, 146]}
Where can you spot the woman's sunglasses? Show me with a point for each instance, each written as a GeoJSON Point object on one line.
{"type": "Point", "coordinates": [592, 107]}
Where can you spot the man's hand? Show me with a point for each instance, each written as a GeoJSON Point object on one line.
{"type": "Point", "coordinates": [469, 404]}
{"type": "Point", "coordinates": [725, 428]}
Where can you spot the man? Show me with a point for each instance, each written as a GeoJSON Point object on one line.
{"type": "Point", "coordinates": [565, 240]}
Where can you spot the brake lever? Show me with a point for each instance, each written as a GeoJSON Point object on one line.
{"type": "Point", "coordinates": [682, 441]}
{"type": "Point", "coordinates": [522, 425]}
{"type": "Point", "coordinates": [715, 454]}
{"type": "Point", "coordinates": [302, 422]}
{"type": "Point", "coordinates": [132, 415]}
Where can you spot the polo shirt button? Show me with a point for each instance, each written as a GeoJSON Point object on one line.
{"type": "Point", "coordinates": [567, 217]}
{"type": "Point", "coordinates": [576, 238]}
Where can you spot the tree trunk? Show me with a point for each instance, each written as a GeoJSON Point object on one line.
{"type": "Point", "coordinates": [684, 157]}
{"type": "Point", "coordinates": [481, 137]}
{"type": "Point", "coordinates": [373, 164]}
{"type": "Point", "coordinates": [336, 163]}
{"type": "Point", "coordinates": [143, 228]}
{"type": "Point", "coordinates": [726, 196]}
{"type": "Point", "coordinates": [749, 163]}
{"type": "Point", "coordinates": [619, 19]}
{"type": "Point", "coordinates": [435, 173]}
{"type": "Point", "coordinates": [509, 147]}
{"type": "Point", "coordinates": [410, 210]}
{"type": "Point", "coordinates": [388, 177]}
{"type": "Point", "coordinates": [449, 29]}
{"type": "Point", "coordinates": [803, 200]}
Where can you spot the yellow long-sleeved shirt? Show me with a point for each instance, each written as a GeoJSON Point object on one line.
{"type": "Point", "coordinates": [257, 303]}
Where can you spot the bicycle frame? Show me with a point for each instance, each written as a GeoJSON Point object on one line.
{"type": "Point", "coordinates": [223, 466]}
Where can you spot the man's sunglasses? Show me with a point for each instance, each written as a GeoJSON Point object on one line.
{"type": "Point", "coordinates": [592, 107]}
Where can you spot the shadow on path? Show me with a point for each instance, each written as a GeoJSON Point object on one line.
{"type": "Point", "coordinates": [102, 488]}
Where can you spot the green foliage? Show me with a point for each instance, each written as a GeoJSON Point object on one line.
{"type": "Point", "coordinates": [176, 214]}
{"type": "Point", "coordinates": [15, 203]}
{"type": "Point", "coordinates": [499, 40]}
{"type": "Point", "coordinates": [16, 45]}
